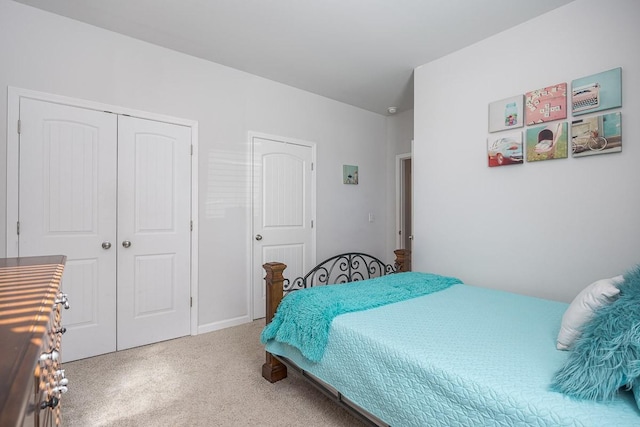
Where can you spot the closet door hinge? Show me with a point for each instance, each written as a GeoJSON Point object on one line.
{"type": "Point", "coordinates": [312, 166]}
{"type": "Point", "coordinates": [18, 228]}
{"type": "Point", "coordinates": [311, 223]}
{"type": "Point", "coordinates": [190, 301]}
{"type": "Point", "coordinates": [192, 149]}
{"type": "Point", "coordinates": [19, 126]}
{"type": "Point", "coordinates": [191, 226]}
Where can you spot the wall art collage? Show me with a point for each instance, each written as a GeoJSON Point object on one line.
{"type": "Point", "coordinates": [548, 135]}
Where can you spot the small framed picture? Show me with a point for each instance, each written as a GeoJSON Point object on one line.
{"type": "Point", "coordinates": [506, 114]}
{"type": "Point", "coordinates": [597, 92]}
{"type": "Point", "coordinates": [349, 174]}
{"type": "Point", "coordinates": [596, 135]}
{"type": "Point", "coordinates": [505, 149]}
{"type": "Point", "coordinates": [546, 104]}
{"type": "Point", "coordinates": [547, 142]}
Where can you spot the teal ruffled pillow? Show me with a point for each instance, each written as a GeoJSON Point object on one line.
{"type": "Point", "coordinates": [606, 357]}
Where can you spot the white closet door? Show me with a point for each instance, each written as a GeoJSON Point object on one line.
{"type": "Point", "coordinates": [154, 205]}
{"type": "Point", "coordinates": [67, 192]}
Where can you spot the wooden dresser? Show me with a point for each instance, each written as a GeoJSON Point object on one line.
{"type": "Point", "coordinates": [31, 376]}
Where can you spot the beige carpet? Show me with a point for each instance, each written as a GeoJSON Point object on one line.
{"type": "Point", "coordinates": [211, 379]}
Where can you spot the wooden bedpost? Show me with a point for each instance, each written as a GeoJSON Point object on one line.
{"type": "Point", "coordinates": [403, 260]}
{"type": "Point", "coordinates": [273, 370]}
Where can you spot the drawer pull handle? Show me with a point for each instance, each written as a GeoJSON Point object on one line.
{"type": "Point", "coordinates": [62, 382]}
{"type": "Point", "coordinates": [60, 389]}
{"type": "Point", "coordinates": [52, 355]}
{"type": "Point", "coordinates": [62, 299]}
{"type": "Point", "coordinates": [51, 403]}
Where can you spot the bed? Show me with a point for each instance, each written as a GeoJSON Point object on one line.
{"type": "Point", "coordinates": [459, 355]}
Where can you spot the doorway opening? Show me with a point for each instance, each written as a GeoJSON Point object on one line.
{"type": "Point", "coordinates": [404, 203]}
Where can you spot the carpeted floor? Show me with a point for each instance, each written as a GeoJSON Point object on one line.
{"type": "Point", "coordinates": [211, 379]}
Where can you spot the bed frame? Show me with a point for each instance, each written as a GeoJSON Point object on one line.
{"type": "Point", "coordinates": [343, 268]}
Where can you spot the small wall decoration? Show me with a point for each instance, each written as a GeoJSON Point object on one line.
{"type": "Point", "coordinates": [597, 92]}
{"type": "Point", "coordinates": [596, 135]}
{"type": "Point", "coordinates": [547, 142]}
{"type": "Point", "coordinates": [505, 150]}
{"type": "Point", "coordinates": [349, 174]}
{"type": "Point", "coordinates": [506, 114]}
{"type": "Point", "coordinates": [546, 104]}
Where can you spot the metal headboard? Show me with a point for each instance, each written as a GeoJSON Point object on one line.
{"type": "Point", "coordinates": [343, 268]}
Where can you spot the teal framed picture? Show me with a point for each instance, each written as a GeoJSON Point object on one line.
{"type": "Point", "coordinates": [597, 92]}
{"type": "Point", "coordinates": [596, 135]}
{"type": "Point", "coordinates": [349, 174]}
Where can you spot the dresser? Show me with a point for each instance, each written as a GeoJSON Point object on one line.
{"type": "Point", "coordinates": [31, 304]}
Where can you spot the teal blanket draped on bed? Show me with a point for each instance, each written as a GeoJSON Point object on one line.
{"type": "Point", "coordinates": [303, 317]}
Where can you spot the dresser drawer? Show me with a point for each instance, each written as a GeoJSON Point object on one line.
{"type": "Point", "coordinates": [31, 331]}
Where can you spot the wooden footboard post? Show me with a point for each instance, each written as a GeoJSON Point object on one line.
{"type": "Point", "coordinates": [403, 260]}
{"type": "Point", "coordinates": [273, 370]}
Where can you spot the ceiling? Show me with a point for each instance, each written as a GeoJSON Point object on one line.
{"type": "Point", "coordinates": [360, 52]}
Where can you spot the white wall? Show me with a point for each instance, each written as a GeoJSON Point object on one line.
{"type": "Point", "coordinates": [547, 228]}
{"type": "Point", "coordinates": [44, 52]}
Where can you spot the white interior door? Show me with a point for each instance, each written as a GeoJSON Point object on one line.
{"type": "Point", "coordinates": [404, 201]}
{"type": "Point", "coordinates": [154, 221]}
{"type": "Point", "coordinates": [407, 208]}
{"type": "Point", "coordinates": [67, 205]}
{"type": "Point", "coordinates": [283, 211]}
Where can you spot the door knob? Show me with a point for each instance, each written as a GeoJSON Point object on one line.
{"type": "Point", "coordinates": [106, 245]}
{"type": "Point", "coordinates": [126, 244]}
{"type": "Point", "coordinates": [258, 237]}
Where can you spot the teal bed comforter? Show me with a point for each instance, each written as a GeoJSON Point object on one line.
{"type": "Point", "coordinates": [462, 356]}
{"type": "Point", "coordinates": [303, 319]}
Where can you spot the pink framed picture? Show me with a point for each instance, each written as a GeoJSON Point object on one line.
{"type": "Point", "coordinates": [546, 104]}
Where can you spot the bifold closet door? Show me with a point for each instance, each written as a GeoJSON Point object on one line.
{"type": "Point", "coordinates": [154, 238]}
{"type": "Point", "coordinates": [67, 205]}
{"type": "Point", "coordinates": [113, 194]}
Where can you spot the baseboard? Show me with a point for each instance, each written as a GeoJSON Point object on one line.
{"type": "Point", "coordinates": [215, 326]}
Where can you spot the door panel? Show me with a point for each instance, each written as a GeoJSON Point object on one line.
{"type": "Point", "coordinates": [283, 201]}
{"type": "Point", "coordinates": [67, 193]}
{"type": "Point", "coordinates": [154, 215]}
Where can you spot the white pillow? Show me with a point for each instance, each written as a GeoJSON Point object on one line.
{"type": "Point", "coordinates": [581, 309]}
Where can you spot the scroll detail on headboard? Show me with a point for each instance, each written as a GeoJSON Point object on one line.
{"type": "Point", "coordinates": [343, 268]}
